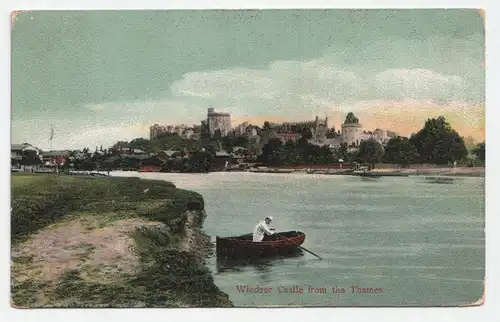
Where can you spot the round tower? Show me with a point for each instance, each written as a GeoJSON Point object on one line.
{"type": "Point", "coordinates": [352, 131]}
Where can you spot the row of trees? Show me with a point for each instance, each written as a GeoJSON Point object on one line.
{"type": "Point", "coordinates": [437, 142]}
{"type": "Point", "coordinates": [292, 153]}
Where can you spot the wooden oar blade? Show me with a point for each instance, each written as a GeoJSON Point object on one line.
{"type": "Point", "coordinates": [298, 246]}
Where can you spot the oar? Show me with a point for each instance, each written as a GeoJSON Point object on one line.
{"type": "Point", "coordinates": [288, 240]}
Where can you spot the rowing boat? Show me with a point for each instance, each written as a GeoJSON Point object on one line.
{"type": "Point", "coordinates": [243, 247]}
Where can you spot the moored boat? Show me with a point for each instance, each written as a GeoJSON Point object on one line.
{"type": "Point", "coordinates": [374, 174]}
{"type": "Point", "coordinates": [242, 247]}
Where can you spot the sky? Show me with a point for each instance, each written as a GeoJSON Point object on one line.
{"type": "Point", "coordinates": [103, 76]}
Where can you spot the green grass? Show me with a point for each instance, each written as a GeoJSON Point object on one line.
{"type": "Point", "coordinates": [43, 199]}
{"type": "Point", "coordinates": [167, 277]}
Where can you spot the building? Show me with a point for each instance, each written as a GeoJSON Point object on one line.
{"type": "Point", "coordinates": [188, 134]}
{"type": "Point", "coordinates": [56, 158]}
{"type": "Point", "coordinates": [251, 131]}
{"type": "Point", "coordinates": [18, 151]}
{"type": "Point", "coordinates": [180, 129]}
{"type": "Point", "coordinates": [285, 137]}
{"type": "Point", "coordinates": [218, 121]}
{"type": "Point", "coordinates": [332, 143]}
{"type": "Point", "coordinates": [352, 133]}
{"type": "Point", "coordinates": [295, 127]}
{"type": "Point", "coordinates": [241, 129]}
{"type": "Point", "coordinates": [156, 130]}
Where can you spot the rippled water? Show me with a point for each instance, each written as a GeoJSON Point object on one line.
{"type": "Point", "coordinates": [422, 243]}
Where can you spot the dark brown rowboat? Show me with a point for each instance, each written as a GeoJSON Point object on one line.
{"type": "Point", "coordinates": [243, 247]}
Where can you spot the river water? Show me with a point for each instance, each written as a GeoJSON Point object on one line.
{"type": "Point", "coordinates": [420, 244]}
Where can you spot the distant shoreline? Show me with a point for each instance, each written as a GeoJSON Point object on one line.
{"type": "Point", "coordinates": [454, 172]}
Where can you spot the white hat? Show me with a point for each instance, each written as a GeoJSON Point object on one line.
{"type": "Point", "coordinates": [270, 218]}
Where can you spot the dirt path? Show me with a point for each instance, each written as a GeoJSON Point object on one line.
{"type": "Point", "coordinates": [101, 254]}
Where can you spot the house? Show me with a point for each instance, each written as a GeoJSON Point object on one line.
{"type": "Point", "coordinates": [78, 155]}
{"type": "Point", "coordinates": [26, 150]}
{"type": "Point", "coordinates": [18, 149]}
{"type": "Point", "coordinates": [169, 154]}
{"type": "Point", "coordinates": [138, 152]}
{"type": "Point", "coordinates": [53, 158]}
{"type": "Point", "coordinates": [151, 164]}
{"type": "Point", "coordinates": [112, 162]}
{"type": "Point", "coordinates": [221, 160]}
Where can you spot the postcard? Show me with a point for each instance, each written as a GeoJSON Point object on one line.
{"type": "Point", "coordinates": [248, 158]}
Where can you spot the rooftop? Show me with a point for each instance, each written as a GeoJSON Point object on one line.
{"type": "Point", "coordinates": [23, 146]}
{"type": "Point", "coordinates": [56, 153]}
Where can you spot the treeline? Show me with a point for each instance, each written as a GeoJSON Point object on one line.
{"type": "Point", "coordinates": [437, 142]}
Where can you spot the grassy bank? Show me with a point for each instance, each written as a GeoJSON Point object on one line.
{"type": "Point", "coordinates": [107, 242]}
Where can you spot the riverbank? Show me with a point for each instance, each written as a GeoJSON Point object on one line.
{"type": "Point", "coordinates": [440, 171]}
{"type": "Point", "coordinates": [459, 171]}
{"type": "Point", "coordinates": [108, 242]}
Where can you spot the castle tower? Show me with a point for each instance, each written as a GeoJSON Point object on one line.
{"type": "Point", "coordinates": [352, 131]}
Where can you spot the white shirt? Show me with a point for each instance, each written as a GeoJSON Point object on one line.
{"type": "Point", "coordinates": [260, 230]}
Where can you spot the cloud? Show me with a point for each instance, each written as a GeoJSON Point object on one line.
{"type": "Point", "coordinates": [385, 91]}
{"type": "Point", "coordinates": [289, 86]}
{"type": "Point", "coordinates": [70, 134]}
{"type": "Point", "coordinates": [398, 84]}
{"type": "Point", "coordinates": [401, 97]}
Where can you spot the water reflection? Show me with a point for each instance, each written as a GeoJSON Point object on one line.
{"type": "Point", "coordinates": [259, 265]}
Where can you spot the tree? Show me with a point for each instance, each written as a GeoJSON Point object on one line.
{"type": "Point", "coordinates": [480, 151]}
{"type": "Point", "coordinates": [450, 148]}
{"type": "Point", "coordinates": [227, 143]}
{"type": "Point", "coordinates": [400, 150]}
{"type": "Point", "coordinates": [438, 142]}
{"type": "Point", "coordinates": [271, 152]}
{"type": "Point", "coordinates": [204, 131]}
{"type": "Point", "coordinates": [306, 133]}
{"type": "Point", "coordinates": [370, 151]}
{"type": "Point", "coordinates": [140, 143]}
{"type": "Point", "coordinates": [341, 152]}
{"type": "Point", "coordinates": [217, 135]}
{"type": "Point", "coordinates": [241, 141]}
{"type": "Point", "coordinates": [351, 118]}
{"type": "Point", "coordinates": [254, 146]}
{"type": "Point", "coordinates": [30, 157]}
{"type": "Point", "coordinates": [198, 162]}
{"type": "Point", "coordinates": [331, 133]}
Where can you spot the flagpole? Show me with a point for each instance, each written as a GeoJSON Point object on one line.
{"type": "Point", "coordinates": [51, 136]}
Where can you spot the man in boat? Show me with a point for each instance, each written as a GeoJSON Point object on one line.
{"type": "Point", "coordinates": [263, 231]}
